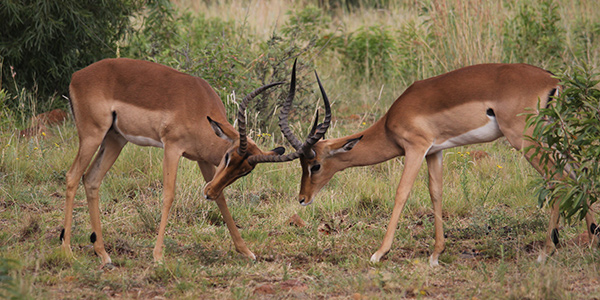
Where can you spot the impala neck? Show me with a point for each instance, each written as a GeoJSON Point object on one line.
{"type": "Point", "coordinates": [375, 147]}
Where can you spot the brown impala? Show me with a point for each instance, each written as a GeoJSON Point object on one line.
{"type": "Point", "coordinates": [238, 161]}
{"type": "Point", "coordinates": [471, 105]}
{"type": "Point", "coordinates": [116, 101]}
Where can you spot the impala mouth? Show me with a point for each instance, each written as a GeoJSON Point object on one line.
{"type": "Point", "coordinates": [303, 201]}
{"type": "Point", "coordinates": [206, 191]}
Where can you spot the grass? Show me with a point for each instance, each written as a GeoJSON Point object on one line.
{"type": "Point", "coordinates": [493, 225]}
{"type": "Point", "coordinates": [492, 237]}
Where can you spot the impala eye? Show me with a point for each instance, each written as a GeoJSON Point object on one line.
{"type": "Point", "coordinates": [227, 158]}
{"type": "Point", "coordinates": [315, 168]}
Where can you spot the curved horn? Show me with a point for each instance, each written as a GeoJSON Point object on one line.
{"type": "Point", "coordinates": [315, 125]}
{"type": "Point", "coordinates": [255, 159]}
{"type": "Point", "coordinates": [304, 149]}
{"type": "Point", "coordinates": [285, 110]}
{"type": "Point", "coordinates": [242, 115]}
{"type": "Point", "coordinates": [321, 129]}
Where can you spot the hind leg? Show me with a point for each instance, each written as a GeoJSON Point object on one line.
{"type": "Point", "coordinates": [109, 151]}
{"type": "Point", "coordinates": [435, 167]}
{"type": "Point", "coordinates": [552, 236]}
{"type": "Point", "coordinates": [88, 144]}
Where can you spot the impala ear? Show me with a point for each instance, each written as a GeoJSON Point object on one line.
{"type": "Point", "coordinates": [218, 130]}
{"type": "Point", "coordinates": [347, 146]}
{"type": "Point", "coordinates": [278, 151]}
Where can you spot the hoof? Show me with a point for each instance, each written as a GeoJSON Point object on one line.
{"type": "Point", "coordinates": [541, 258]}
{"type": "Point", "coordinates": [433, 262]}
{"type": "Point", "coordinates": [554, 236]}
{"type": "Point", "coordinates": [375, 258]}
{"type": "Point", "coordinates": [158, 263]}
{"type": "Point", "coordinates": [595, 230]}
{"type": "Point", "coordinates": [251, 256]}
{"type": "Point", "coordinates": [108, 267]}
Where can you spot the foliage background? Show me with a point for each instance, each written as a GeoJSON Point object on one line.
{"type": "Point", "coordinates": [367, 52]}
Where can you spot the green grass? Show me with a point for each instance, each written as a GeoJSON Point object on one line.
{"type": "Point", "coordinates": [492, 241]}
{"type": "Point", "coordinates": [493, 224]}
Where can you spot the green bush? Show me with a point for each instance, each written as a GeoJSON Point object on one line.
{"type": "Point", "coordinates": [9, 286]}
{"type": "Point", "coordinates": [306, 25]}
{"type": "Point", "coordinates": [44, 42]}
{"type": "Point", "coordinates": [414, 55]}
{"type": "Point", "coordinates": [370, 51]}
{"type": "Point", "coordinates": [586, 36]}
{"type": "Point", "coordinates": [230, 59]}
{"type": "Point", "coordinates": [569, 129]}
{"type": "Point", "coordinates": [534, 35]}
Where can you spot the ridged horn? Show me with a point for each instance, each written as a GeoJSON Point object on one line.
{"type": "Point", "coordinates": [241, 117]}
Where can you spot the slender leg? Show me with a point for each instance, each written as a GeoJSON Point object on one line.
{"type": "Point", "coordinates": [208, 172]}
{"type": "Point", "coordinates": [170, 163]}
{"type": "Point", "coordinates": [88, 144]}
{"type": "Point", "coordinates": [435, 167]}
{"type": "Point", "coordinates": [109, 151]}
{"type": "Point", "coordinates": [516, 140]}
{"type": "Point", "coordinates": [551, 233]}
{"type": "Point", "coordinates": [593, 230]}
{"type": "Point", "coordinates": [413, 162]}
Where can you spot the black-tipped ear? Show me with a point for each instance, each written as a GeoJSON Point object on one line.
{"type": "Point", "coordinates": [351, 143]}
{"type": "Point", "coordinates": [347, 146]}
{"type": "Point", "coordinates": [279, 150]}
{"type": "Point", "coordinates": [217, 129]}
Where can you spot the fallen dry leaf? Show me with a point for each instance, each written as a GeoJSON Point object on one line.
{"type": "Point", "coordinates": [295, 220]}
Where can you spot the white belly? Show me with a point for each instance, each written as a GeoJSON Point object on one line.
{"type": "Point", "coordinates": [139, 140]}
{"type": "Point", "coordinates": [486, 133]}
{"type": "Point", "coordinates": [143, 141]}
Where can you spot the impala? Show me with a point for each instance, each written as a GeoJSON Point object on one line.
{"type": "Point", "coordinates": [238, 161]}
{"type": "Point", "coordinates": [471, 105]}
{"type": "Point", "coordinates": [115, 101]}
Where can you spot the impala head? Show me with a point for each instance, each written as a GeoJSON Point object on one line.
{"type": "Point", "coordinates": [235, 163]}
{"type": "Point", "coordinates": [244, 155]}
{"type": "Point", "coordinates": [319, 169]}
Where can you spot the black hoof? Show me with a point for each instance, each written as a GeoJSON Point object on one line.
{"type": "Point", "coordinates": [554, 236]}
{"type": "Point", "coordinates": [594, 229]}
{"type": "Point", "coordinates": [62, 235]}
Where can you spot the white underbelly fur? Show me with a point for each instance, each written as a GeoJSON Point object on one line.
{"type": "Point", "coordinates": [142, 140]}
{"type": "Point", "coordinates": [486, 133]}
{"type": "Point", "coordinates": [137, 139]}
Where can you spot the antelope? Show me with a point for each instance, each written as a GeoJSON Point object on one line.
{"type": "Point", "coordinates": [474, 104]}
{"type": "Point", "coordinates": [116, 101]}
{"type": "Point", "coordinates": [239, 162]}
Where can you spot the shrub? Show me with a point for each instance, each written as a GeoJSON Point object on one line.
{"type": "Point", "coordinates": [570, 130]}
{"type": "Point", "coordinates": [229, 58]}
{"type": "Point", "coordinates": [9, 285]}
{"type": "Point", "coordinates": [534, 35]}
{"type": "Point", "coordinates": [369, 51]}
{"type": "Point", "coordinates": [46, 41]}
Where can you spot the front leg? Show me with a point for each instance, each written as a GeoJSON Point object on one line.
{"type": "Point", "coordinates": [208, 172]}
{"type": "Point", "coordinates": [435, 167]}
{"type": "Point", "coordinates": [413, 160]}
{"type": "Point", "coordinates": [170, 163]}
{"type": "Point", "coordinates": [240, 246]}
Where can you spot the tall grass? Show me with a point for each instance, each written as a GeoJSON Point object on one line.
{"type": "Point", "coordinates": [492, 221]}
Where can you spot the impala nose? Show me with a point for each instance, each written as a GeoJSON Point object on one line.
{"type": "Point", "coordinates": [208, 192]}
{"type": "Point", "coordinates": [304, 201]}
